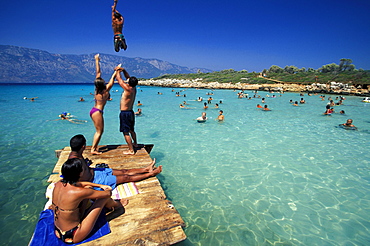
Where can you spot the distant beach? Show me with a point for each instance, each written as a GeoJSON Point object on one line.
{"type": "Point", "coordinates": [283, 87]}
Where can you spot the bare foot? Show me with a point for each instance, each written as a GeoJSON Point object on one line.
{"type": "Point", "coordinates": [96, 152]}
{"type": "Point", "coordinates": [129, 152]}
{"type": "Point", "coordinates": [97, 57]}
{"type": "Point", "coordinates": [118, 204]}
{"type": "Point", "coordinates": [157, 170]}
{"type": "Point", "coordinates": [123, 202]}
{"type": "Point", "coordinates": [150, 168]}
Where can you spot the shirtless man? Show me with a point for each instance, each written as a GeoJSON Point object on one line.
{"type": "Point", "coordinates": [108, 176]}
{"type": "Point", "coordinates": [221, 117]}
{"type": "Point", "coordinates": [127, 115]}
{"type": "Point", "coordinates": [117, 25]}
{"type": "Point", "coordinates": [349, 123]}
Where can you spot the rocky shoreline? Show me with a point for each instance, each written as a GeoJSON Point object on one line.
{"type": "Point", "coordinates": [330, 88]}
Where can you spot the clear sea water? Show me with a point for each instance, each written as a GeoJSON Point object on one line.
{"type": "Point", "coordinates": [290, 176]}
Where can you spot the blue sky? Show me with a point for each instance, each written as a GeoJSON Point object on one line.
{"type": "Point", "coordinates": [237, 34]}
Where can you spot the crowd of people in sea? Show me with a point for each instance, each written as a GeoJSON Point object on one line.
{"type": "Point", "coordinates": [264, 107]}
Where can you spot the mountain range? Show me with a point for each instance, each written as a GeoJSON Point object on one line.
{"type": "Point", "coordinates": [25, 65]}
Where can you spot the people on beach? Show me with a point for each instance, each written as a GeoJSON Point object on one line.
{"type": "Point", "coordinates": [117, 25]}
{"type": "Point", "coordinates": [73, 219]}
{"type": "Point", "coordinates": [101, 97]}
{"type": "Point", "coordinates": [127, 116]}
{"type": "Point", "coordinates": [221, 117]}
{"type": "Point", "coordinates": [108, 176]}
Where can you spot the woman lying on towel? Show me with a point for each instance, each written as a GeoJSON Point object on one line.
{"type": "Point", "coordinates": [73, 221]}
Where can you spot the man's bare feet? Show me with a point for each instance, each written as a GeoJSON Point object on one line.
{"type": "Point", "coordinates": [157, 170]}
{"type": "Point", "coordinates": [150, 167]}
{"type": "Point", "coordinates": [123, 202]}
{"type": "Point", "coordinates": [97, 57]}
{"type": "Point", "coordinates": [129, 152]}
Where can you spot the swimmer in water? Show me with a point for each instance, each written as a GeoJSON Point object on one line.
{"type": "Point", "coordinates": [266, 108]}
{"type": "Point", "coordinates": [203, 117]}
{"type": "Point", "coordinates": [221, 117]}
{"type": "Point", "coordinates": [66, 117]}
{"type": "Point", "coordinates": [349, 124]}
{"type": "Point", "coordinates": [139, 112]}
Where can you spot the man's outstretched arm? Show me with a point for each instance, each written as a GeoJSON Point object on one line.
{"type": "Point", "coordinates": [114, 7]}
{"type": "Point", "coordinates": [119, 78]}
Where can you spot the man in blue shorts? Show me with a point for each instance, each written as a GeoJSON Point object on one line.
{"type": "Point", "coordinates": [108, 176]}
{"type": "Point", "coordinates": [127, 115]}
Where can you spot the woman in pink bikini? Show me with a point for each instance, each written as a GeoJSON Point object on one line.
{"type": "Point", "coordinates": [101, 97]}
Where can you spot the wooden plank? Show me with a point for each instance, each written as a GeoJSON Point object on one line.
{"type": "Point", "coordinates": [149, 219]}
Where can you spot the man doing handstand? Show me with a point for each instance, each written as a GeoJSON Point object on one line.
{"type": "Point", "coordinates": [117, 25]}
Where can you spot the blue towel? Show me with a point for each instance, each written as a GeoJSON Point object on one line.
{"type": "Point", "coordinates": [44, 232]}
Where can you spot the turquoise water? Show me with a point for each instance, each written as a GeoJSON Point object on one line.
{"type": "Point", "coordinates": [285, 177]}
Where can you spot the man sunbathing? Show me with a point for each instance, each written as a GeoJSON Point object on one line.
{"type": "Point", "coordinates": [108, 176]}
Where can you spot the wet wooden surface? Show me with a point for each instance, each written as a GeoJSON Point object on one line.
{"type": "Point", "coordinates": [149, 218]}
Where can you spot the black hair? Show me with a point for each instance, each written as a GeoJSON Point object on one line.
{"type": "Point", "coordinates": [99, 85]}
{"type": "Point", "coordinates": [117, 15]}
{"type": "Point", "coordinates": [71, 171]}
{"type": "Point", "coordinates": [132, 81]}
{"type": "Point", "coordinates": [77, 142]}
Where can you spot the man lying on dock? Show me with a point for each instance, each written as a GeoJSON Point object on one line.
{"type": "Point", "coordinates": [108, 176]}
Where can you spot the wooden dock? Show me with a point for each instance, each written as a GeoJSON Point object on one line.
{"type": "Point", "coordinates": [148, 219]}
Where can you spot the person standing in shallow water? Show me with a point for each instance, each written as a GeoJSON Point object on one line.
{"type": "Point", "coordinates": [127, 115]}
{"type": "Point", "coordinates": [101, 97]}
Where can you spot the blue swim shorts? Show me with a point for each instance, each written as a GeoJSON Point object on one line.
{"type": "Point", "coordinates": [104, 176]}
{"type": "Point", "coordinates": [127, 121]}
